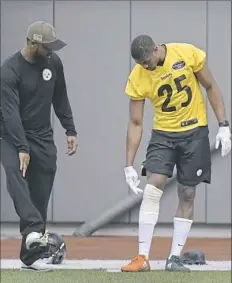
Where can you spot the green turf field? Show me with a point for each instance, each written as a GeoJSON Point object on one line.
{"type": "Point", "coordinates": [90, 276]}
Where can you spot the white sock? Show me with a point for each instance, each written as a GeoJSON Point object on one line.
{"type": "Point", "coordinates": [145, 236]}
{"type": "Point", "coordinates": [148, 217]}
{"type": "Point", "coordinates": [182, 228]}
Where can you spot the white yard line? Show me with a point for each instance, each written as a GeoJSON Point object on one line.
{"type": "Point", "coordinates": [114, 265]}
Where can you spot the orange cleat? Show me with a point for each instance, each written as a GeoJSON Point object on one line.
{"type": "Point", "coordinates": [138, 264]}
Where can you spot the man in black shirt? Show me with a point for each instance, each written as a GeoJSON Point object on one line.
{"type": "Point", "coordinates": [32, 80]}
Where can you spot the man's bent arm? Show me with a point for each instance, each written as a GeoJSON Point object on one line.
{"type": "Point", "coordinates": [135, 130]}
{"type": "Point", "coordinates": [61, 103]}
{"type": "Point", "coordinates": [10, 110]}
{"type": "Point", "coordinates": [213, 92]}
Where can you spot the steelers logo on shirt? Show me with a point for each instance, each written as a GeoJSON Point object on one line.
{"type": "Point", "coordinates": [47, 74]}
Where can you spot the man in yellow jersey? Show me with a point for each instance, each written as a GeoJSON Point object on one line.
{"type": "Point", "coordinates": [170, 75]}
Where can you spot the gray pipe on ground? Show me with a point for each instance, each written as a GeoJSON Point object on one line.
{"type": "Point", "coordinates": [123, 206]}
{"type": "Point", "coordinates": [87, 229]}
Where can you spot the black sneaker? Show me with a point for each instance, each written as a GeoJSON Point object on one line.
{"type": "Point", "coordinates": [174, 264]}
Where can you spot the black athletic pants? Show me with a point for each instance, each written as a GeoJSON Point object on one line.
{"type": "Point", "coordinates": [31, 194]}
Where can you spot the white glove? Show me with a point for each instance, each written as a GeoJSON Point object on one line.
{"type": "Point", "coordinates": [224, 137]}
{"type": "Point", "coordinates": [132, 179]}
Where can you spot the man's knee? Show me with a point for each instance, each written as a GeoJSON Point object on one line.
{"type": "Point", "coordinates": [152, 194]}
{"type": "Point", "coordinates": [150, 204]}
{"type": "Point", "coordinates": [156, 180]}
{"type": "Point", "coordinates": [14, 178]}
{"type": "Point", "coordinates": [9, 155]}
{"type": "Point", "coordinates": [186, 193]}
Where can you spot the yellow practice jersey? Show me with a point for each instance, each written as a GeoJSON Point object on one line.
{"type": "Point", "coordinates": [172, 88]}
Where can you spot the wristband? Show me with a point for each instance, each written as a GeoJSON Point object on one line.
{"type": "Point", "coordinates": [224, 123]}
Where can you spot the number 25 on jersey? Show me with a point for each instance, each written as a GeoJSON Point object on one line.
{"type": "Point", "coordinates": [168, 90]}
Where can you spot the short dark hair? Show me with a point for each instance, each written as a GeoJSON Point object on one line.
{"type": "Point", "coordinates": [141, 47]}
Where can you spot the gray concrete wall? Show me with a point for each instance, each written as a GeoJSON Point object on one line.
{"type": "Point", "coordinates": [97, 62]}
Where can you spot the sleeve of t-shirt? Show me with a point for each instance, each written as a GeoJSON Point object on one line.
{"type": "Point", "coordinates": [132, 90]}
{"type": "Point", "coordinates": [10, 109]}
{"type": "Point", "coordinates": [199, 58]}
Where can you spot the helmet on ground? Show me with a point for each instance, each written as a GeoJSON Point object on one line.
{"type": "Point", "coordinates": [56, 248]}
{"type": "Point", "coordinates": [193, 257]}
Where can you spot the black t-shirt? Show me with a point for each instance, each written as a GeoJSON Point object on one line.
{"type": "Point", "coordinates": [27, 92]}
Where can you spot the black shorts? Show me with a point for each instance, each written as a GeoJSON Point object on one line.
{"type": "Point", "coordinates": [190, 153]}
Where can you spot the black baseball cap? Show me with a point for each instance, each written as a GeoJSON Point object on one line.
{"type": "Point", "coordinates": [44, 33]}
